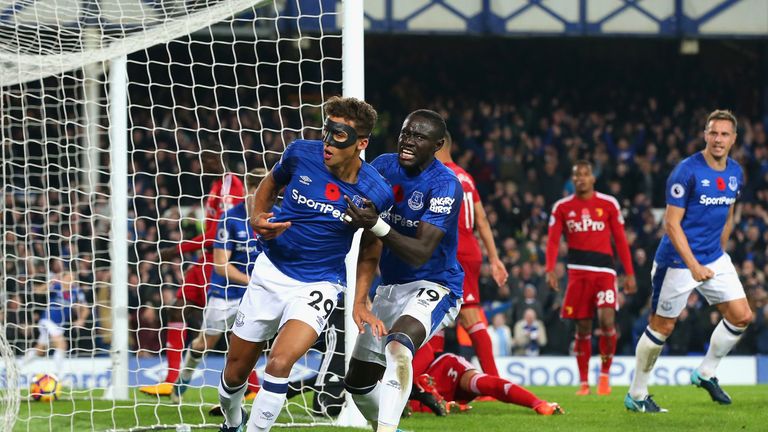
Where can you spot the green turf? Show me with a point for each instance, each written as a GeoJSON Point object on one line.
{"type": "Point", "coordinates": [689, 409]}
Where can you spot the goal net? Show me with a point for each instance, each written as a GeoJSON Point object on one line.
{"type": "Point", "coordinates": [103, 169]}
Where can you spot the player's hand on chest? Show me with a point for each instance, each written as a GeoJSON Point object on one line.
{"type": "Point", "coordinates": [320, 197]}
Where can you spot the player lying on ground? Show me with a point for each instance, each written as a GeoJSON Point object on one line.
{"type": "Point", "coordinates": [452, 379]}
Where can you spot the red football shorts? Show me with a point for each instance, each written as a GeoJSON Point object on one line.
{"type": "Point", "coordinates": [196, 280]}
{"type": "Point", "coordinates": [586, 291]}
{"type": "Point", "coordinates": [447, 371]}
{"type": "Point", "coordinates": [471, 282]}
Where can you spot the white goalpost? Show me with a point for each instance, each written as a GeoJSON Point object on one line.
{"type": "Point", "coordinates": [106, 105]}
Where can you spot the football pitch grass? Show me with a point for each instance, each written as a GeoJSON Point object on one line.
{"type": "Point", "coordinates": [690, 409]}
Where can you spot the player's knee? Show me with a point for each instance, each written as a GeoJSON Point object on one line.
{"type": "Point", "coordinates": [607, 326]}
{"type": "Point", "coordinates": [664, 326]}
{"type": "Point", "coordinates": [399, 349]}
{"type": "Point", "coordinates": [199, 343]}
{"type": "Point", "coordinates": [234, 374]}
{"type": "Point", "coordinates": [468, 319]}
{"type": "Point", "coordinates": [583, 329]}
{"type": "Point", "coordinates": [743, 319]}
{"type": "Point", "coordinates": [279, 364]}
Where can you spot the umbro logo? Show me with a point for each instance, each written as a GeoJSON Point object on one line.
{"type": "Point", "coordinates": [394, 384]}
{"type": "Point", "coordinates": [305, 180]}
{"type": "Point", "coordinates": [705, 182]}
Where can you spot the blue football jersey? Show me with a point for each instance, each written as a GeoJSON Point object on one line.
{"type": "Point", "coordinates": [706, 195]}
{"type": "Point", "coordinates": [59, 309]}
{"type": "Point", "coordinates": [235, 234]}
{"type": "Point", "coordinates": [434, 197]}
{"type": "Point", "coordinates": [314, 247]}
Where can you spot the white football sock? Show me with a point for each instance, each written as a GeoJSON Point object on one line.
{"type": "Point", "coordinates": [191, 360]}
{"type": "Point", "coordinates": [647, 351]}
{"type": "Point", "coordinates": [231, 401]}
{"type": "Point", "coordinates": [395, 385]}
{"type": "Point", "coordinates": [724, 338]}
{"type": "Point", "coordinates": [268, 403]}
{"type": "Point", "coordinates": [368, 402]}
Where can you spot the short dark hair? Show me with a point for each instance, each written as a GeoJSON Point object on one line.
{"type": "Point", "coordinates": [355, 110]}
{"type": "Point", "coordinates": [719, 114]}
{"type": "Point", "coordinates": [448, 140]}
{"type": "Point", "coordinates": [582, 162]}
{"type": "Point", "coordinates": [433, 117]}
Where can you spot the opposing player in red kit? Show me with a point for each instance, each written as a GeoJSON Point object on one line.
{"type": "Point", "coordinates": [453, 379]}
{"type": "Point", "coordinates": [226, 191]}
{"type": "Point", "coordinates": [470, 257]}
{"type": "Point", "coordinates": [589, 218]}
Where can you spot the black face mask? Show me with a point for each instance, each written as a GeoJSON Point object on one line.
{"type": "Point", "coordinates": [331, 128]}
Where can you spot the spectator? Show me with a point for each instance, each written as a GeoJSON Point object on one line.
{"type": "Point", "coordinates": [530, 334]}
{"type": "Point", "coordinates": [501, 336]}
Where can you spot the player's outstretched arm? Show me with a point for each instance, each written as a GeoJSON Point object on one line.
{"type": "Point", "coordinates": [672, 224]}
{"type": "Point", "coordinates": [367, 261]}
{"type": "Point", "coordinates": [264, 198]}
{"type": "Point", "coordinates": [498, 270]}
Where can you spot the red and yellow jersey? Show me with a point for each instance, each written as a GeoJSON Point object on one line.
{"type": "Point", "coordinates": [588, 225]}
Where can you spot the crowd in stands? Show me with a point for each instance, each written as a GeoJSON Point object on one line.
{"type": "Point", "coordinates": [519, 147]}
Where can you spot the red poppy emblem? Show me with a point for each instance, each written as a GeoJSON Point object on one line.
{"type": "Point", "coordinates": [332, 192]}
{"type": "Point", "coordinates": [720, 184]}
{"type": "Point", "coordinates": [399, 193]}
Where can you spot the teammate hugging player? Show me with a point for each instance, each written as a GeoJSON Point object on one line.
{"type": "Point", "coordinates": [299, 275]}
{"type": "Point", "coordinates": [701, 192]}
{"type": "Point", "coordinates": [589, 218]}
{"type": "Point", "coordinates": [421, 278]}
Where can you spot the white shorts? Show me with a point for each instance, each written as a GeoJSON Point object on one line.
{"type": "Point", "coordinates": [219, 314]}
{"type": "Point", "coordinates": [432, 304]}
{"type": "Point", "coordinates": [48, 329]}
{"type": "Point", "coordinates": [672, 286]}
{"type": "Point", "coordinates": [272, 298]}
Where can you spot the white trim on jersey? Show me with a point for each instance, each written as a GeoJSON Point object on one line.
{"type": "Point", "coordinates": [610, 198]}
{"type": "Point", "coordinates": [562, 201]}
{"type": "Point", "coordinates": [459, 358]}
{"type": "Point", "coordinates": [615, 203]}
{"type": "Point", "coordinates": [591, 268]}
